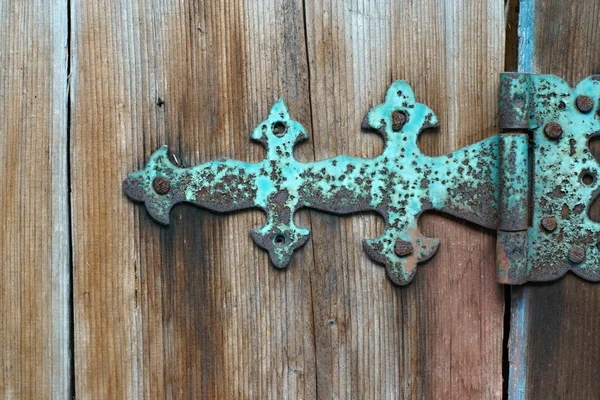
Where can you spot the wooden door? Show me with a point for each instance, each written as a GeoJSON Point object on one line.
{"type": "Point", "coordinates": [100, 301]}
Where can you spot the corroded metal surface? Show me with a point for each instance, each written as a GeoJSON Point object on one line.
{"type": "Point", "coordinates": [399, 184]}
{"type": "Point", "coordinates": [562, 237]}
{"type": "Point", "coordinates": [488, 183]}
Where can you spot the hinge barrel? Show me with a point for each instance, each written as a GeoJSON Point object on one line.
{"type": "Point", "coordinates": [514, 181]}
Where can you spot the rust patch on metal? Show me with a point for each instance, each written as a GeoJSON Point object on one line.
{"type": "Point", "coordinates": [403, 248]}
{"type": "Point", "coordinates": [398, 120]}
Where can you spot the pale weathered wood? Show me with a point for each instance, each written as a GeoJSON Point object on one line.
{"type": "Point", "coordinates": [34, 237]}
{"type": "Point", "coordinates": [441, 336]}
{"type": "Point", "coordinates": [554, 347]}
{"type": "Point", "coordinates": [194, 310]}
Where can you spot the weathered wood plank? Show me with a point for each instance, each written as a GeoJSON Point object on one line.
{"type": "Point", "coordinates": [34, 238]}
{"type": "Point", "coordinates": [554, 351]}
{"type": "Point", "coordinates": [441, 336]}
{"type": "Point", "coordinates": [195, 309]}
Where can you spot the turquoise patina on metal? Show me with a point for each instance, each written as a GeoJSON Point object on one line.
{"type": "Point", "coordinates": [472, 183]}
{"type": "Point", "coordinates": [535, 189]}
{"type": "Point", "coordinates": [562, 236]}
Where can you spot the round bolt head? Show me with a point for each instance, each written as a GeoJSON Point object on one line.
{"type": "Point", "coordinates": [398, 120]}
{"type": "Point", "coordinates": [549, 223]}
{"type": "Point", "coordinates": [553, 130]}
{"type": "Point", "coordinates": [403, 248]}
{"type": "Point", "coordinates": [584, 103]}
{"type": "Point", "coordinates": [161, 185]}
{"type": "Point", "coordinates": [576, 254]}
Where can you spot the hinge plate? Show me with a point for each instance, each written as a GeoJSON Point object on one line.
{"type": "Point", "coordinates": [562, 120]}
{"type": "Point", "coordinates": [487, 183]}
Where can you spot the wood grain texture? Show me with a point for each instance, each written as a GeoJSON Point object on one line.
{"type": "Point", "coordinates": [195, 309]}
{"type": "Point", "coordinates": [555, 327]}
{"type": "Point", "coordinates": [441, 336]}
{"type": "Point", "coordinates": [34, 237]}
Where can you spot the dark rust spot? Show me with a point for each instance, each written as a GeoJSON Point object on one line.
{"type": "Point", "coordinates": [556, 193]}
{"type": "Point", "coordinates": [576, 254]}
{"type": "Point", "coordinates": [398, 120]}
{"type": "Point", "coordinates": [403, 248]}
{"type": "Point", "coordinates": [584, 103]}
{"type": "Point", "coordinates": [572, 147]}
{"type": "Point", "coordinates": [161, 185]}
{"type": "Point", "coordinates": [553, 130]}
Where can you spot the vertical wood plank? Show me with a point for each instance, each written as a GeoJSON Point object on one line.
{"type": "Point", "coordinates": [441, 336]}
{"type": "Point", "coordinates": [193, 309]}
{"type": "Point", "coordinates": [34, 238]}
{"type": "Point", "coordinates": [554, 351]}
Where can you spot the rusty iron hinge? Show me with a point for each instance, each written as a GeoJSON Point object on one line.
{"type": "Point", "coordinates": [534, 188]}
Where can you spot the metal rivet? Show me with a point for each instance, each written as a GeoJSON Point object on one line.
{"type": "Point", "coordinates": [584, 103]}
{"type": "Point", "coordinates": [403, 248]}
{"type": "Point", "coordinates": [161, 185]}
{"type": "Point", "coordinates": [549, 223]}
{"type": "Point", "coordinates": [577, 254]}
{"type": "Point", "coordinates": [553, 130]}
{"type": "Point", "coordinates": [398, 120]}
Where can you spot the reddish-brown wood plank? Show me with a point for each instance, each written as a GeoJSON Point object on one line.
{"type": "Point", "coordinates": [34, 237]}
{"type": "Point", "coordinates": [555, 326]}
{"type": "Point", "coordinates": [441, 336]}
